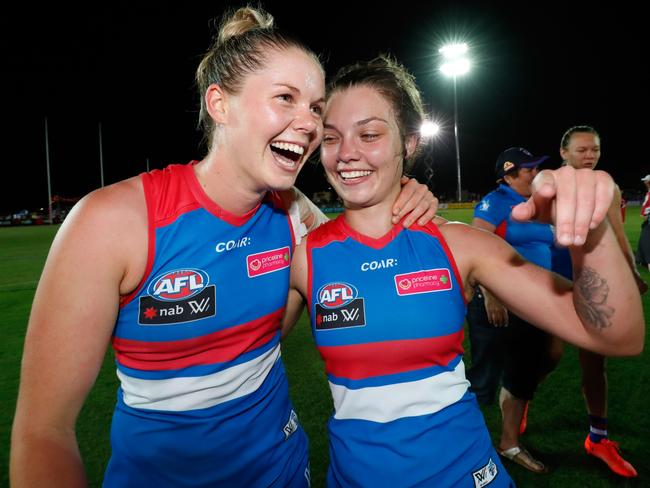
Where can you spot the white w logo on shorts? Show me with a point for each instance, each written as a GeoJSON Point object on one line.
{"type": "Point", "coordinates": [485, 475]}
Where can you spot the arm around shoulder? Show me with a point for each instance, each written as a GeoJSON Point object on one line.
{"type": "Point", "coordinates": [304, 214]}
{"type": "Point", "coordinates": [297, 289]}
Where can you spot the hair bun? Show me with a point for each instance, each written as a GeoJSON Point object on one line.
{"type": "Point", "coordinates": [243, 20]}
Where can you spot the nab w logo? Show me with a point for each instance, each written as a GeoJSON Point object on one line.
{"type": "Point", "coordinates": [350, 315]}
{"type": "Point", "coordinates": [485, 475]}
{"type": "Point", "coordinates": [198, 307]}
{"type": "Point", "coordinates": [337, 306]}
{"type": "Point", "coordinates": [153, 311]}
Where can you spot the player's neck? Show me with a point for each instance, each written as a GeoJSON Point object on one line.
{"type": "Point", "coordinates": [224, 186]}
{"type": "Point", "coordinates": [373, 221]}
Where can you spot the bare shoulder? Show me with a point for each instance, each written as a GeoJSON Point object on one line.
{"type": "Point", "coordinates": [467, 242]}
{"type": "Point", "coordinates": [122, 199]}
{"type": "Point", "coordinates": [462, 244]}
{"type": "Point", "coordinates": [110, 221]}
{"type": "Point", "coordinates": [438, 220]}
{"type": "Point", "coordinates": [117, 210]}
{"type": "Point", "coordinates": [461, 233]}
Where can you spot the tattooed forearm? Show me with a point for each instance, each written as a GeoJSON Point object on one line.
{"type": "Point", "coordinates": [590, 299]}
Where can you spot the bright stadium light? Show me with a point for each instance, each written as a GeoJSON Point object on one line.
{"type": "Point", "coordinates": [455, 65]}
{"type": "Point", "coordinates": [429, 129]}
{"type": "Point", "coordinates": [453, 51]}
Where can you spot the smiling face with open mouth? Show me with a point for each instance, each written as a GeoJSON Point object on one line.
{"type": "Point", "coordinates": [362, 150]}
{"type": "Point", "coordinates": [274, 122]}
{"type": "Point", "coordinates": [288, 155]}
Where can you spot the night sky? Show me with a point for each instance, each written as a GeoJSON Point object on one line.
{"type": "Point", "coordinates": [537, 70]}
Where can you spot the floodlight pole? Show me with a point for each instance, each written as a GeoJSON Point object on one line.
{"type": "Point", "coordinates": [456, 139]}
{"type": "Point", "coordinates": [47, 163]}
{"type": "Point", "coordinates": [455, 64]}
{"type": "Point", "coordinates": [101, 156]}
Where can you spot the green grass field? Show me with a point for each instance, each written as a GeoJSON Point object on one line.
{"type": "Point", "coordinates": [557, 418]}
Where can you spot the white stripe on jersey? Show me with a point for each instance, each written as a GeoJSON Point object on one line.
{"type": "Point", "coordinates": [195, 392]}
{"type": "Point", "coordinates": [392, 402]}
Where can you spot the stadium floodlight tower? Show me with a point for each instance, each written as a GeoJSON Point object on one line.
{"type": "Point", "coordinates": [455, 64]}
{"type": "Point", "coordinates": [428, 131]}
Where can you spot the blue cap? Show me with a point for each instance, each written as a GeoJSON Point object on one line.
{"type": "Point", "coordinates": [515, 158]}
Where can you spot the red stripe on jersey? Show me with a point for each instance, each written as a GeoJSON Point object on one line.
{"type": "Point", "coordinates": [435, 232]}
{"type": "Point", "coordinates": [194, 186]}
{"type": "Point", "coordinates": [218, 347]}
{"type": "Point", "coordinates": [322, 235]}
{"type": "Point", "coordinates": [166, 199]}
{"type": "Point", "coordinates": [375, 243]}
{"type": "Point", "coordinates": [361, 361]}
{"type": "Point", "coordinates": [501, 230]}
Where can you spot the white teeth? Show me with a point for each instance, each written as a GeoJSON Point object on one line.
{"type": "Point", "coordinates": [354, 174]}
{"type": "Point", "coordinates": [287, 146]}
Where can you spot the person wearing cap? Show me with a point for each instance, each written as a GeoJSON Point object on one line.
{"type": "Point", "coordinates": [643, 249]}
{"type": "Point", "coordinates": [580, 148]}
{"type": "Point", "coordinates": [505, 347]}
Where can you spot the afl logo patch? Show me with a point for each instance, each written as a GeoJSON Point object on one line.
{"type": "Point", "coordinates": [178, 284]}
{"type": "Point", "coordinates": [335, 295]}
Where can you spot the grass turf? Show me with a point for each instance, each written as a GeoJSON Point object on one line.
{"type": "Point", "coordinates": [557, 418]}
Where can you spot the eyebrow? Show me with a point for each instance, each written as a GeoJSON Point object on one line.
{"type": "Point", "coordinates": [359, 123]}
{"type": "Point", "coordinates": [290, 87]}
{"type": "Point", "coordinates": [294, 89]}
{"type": "Point", "coordinates": [370, 119]}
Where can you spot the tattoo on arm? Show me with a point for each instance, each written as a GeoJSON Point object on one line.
{"type": "Point", "coordinates": [590, 299]}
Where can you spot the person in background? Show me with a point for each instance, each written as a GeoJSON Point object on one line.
{"type": "Point", "coordinates": [643, 249]}
{"type": "Point", "coordinates": [388, 304]}
{"type": "Point", "coordinates": [186, 272]}
{"type": "Point", "coordinates": [580, 148]}
{"type": "Point", "coordinates": [504, 347]}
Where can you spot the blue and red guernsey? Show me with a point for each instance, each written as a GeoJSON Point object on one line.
{"type": "Point", "coordinates": [203, 399]}
{"type": "Point", "coordinates": [533, 240]}
{"type": "Point", "coordinates": [387, 316]}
